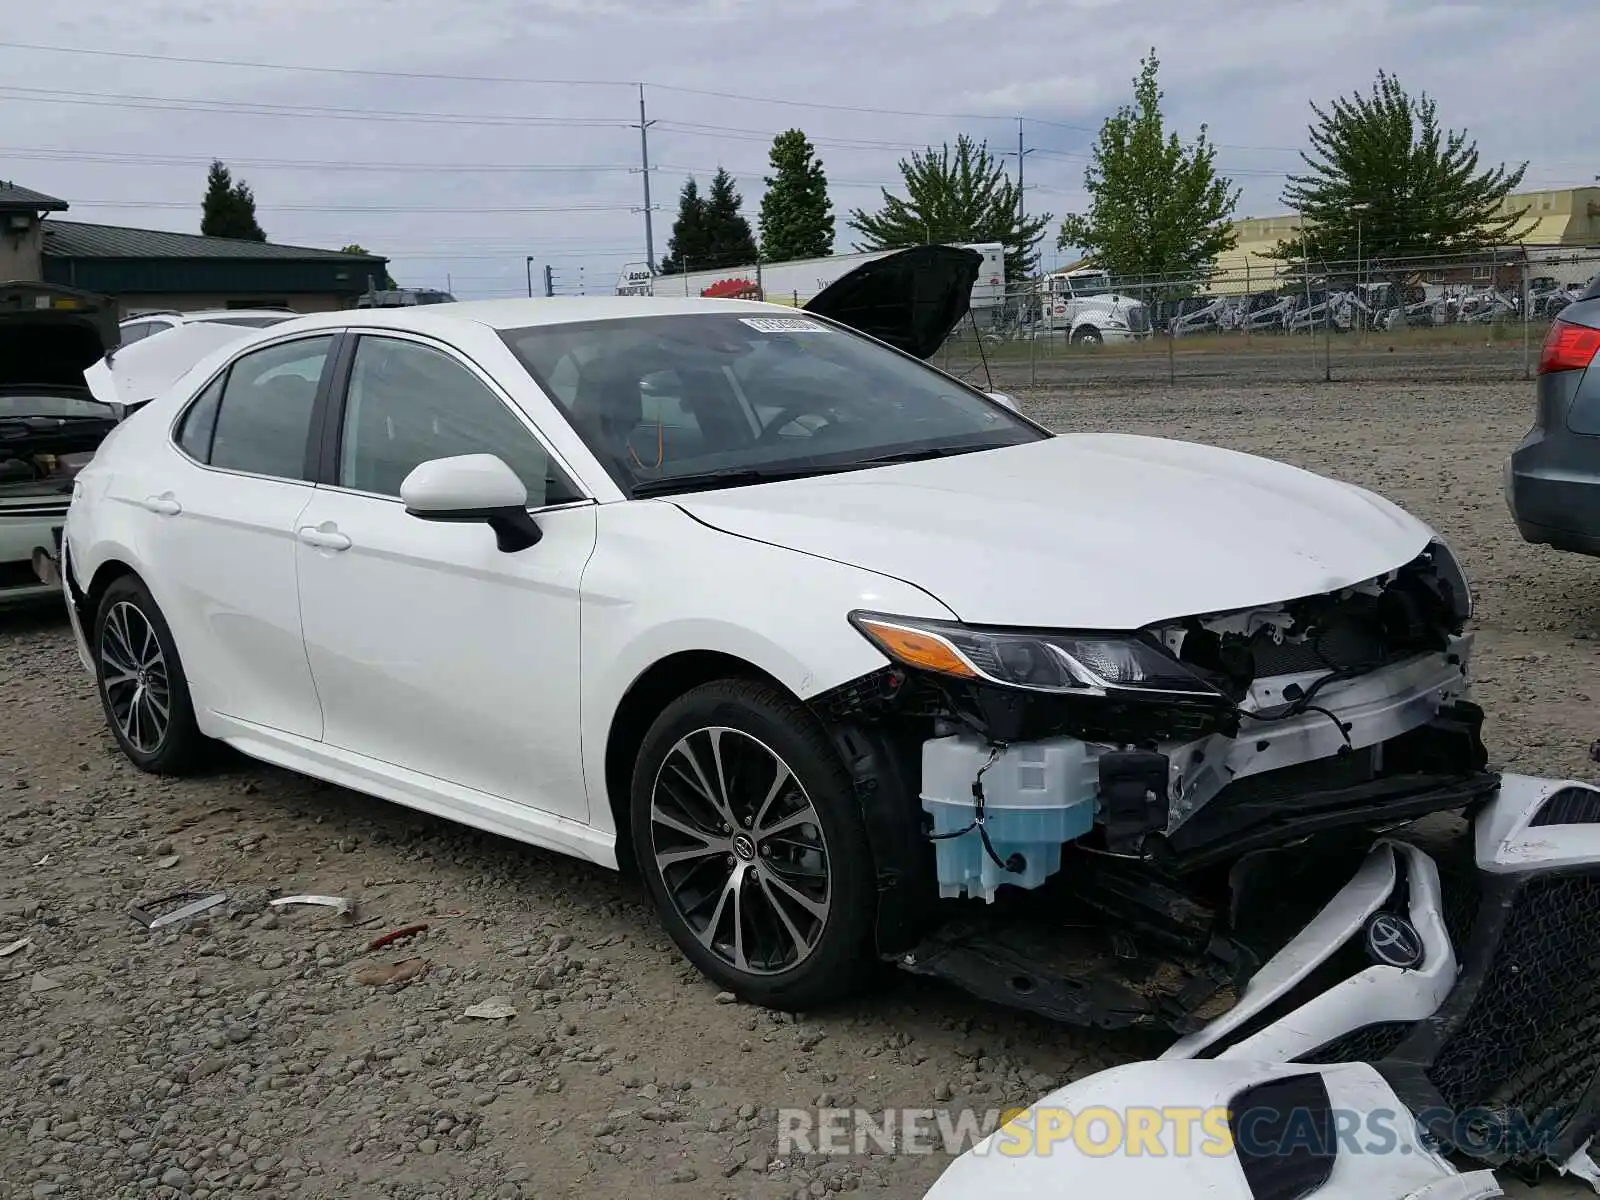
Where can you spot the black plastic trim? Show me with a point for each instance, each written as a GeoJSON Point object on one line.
{"type": "Point", "coordinates": [1570, 806]}
{"type": "Point", "coordinates": [1413, 1068]}
{"type": "Point", "coordinates": [1284, 1136]}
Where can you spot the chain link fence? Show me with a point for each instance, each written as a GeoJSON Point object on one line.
{"type": "Point", "coordinates": [1470, 319]}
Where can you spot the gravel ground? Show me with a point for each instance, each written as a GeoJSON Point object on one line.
{"type": "Point", "coordinates": [239, 1053]}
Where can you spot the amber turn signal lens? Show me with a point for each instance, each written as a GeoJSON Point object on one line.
{"type": "Point", "coordinates": [916, 648]}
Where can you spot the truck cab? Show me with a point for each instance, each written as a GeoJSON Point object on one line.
{"type": "Point", "coordinates": [1083, 305]}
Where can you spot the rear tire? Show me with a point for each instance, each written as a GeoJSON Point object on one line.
{"type": "Point", "coordinates": [143, 689]}
{"type": "Point", "coordinates": [748, 835]}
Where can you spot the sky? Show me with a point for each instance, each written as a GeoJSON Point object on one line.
{"type": "Point", "coordinates": [462, 137]}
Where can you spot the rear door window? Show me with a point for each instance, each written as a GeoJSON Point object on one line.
{"type": "Point", "coordinates": [263, 425]}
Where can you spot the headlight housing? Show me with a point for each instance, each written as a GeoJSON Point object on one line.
{"type": "Point", "coordinates": [1058, 662]}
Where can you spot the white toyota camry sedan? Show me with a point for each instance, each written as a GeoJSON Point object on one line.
{"type": "Point", "coordinates": [826, 643]}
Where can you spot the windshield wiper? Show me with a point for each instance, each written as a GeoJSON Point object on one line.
{"type": "Point", "coordinates": [692, 481]}
{"type": "Point", "coordinates": [924, 452]}
{"type": "Point", "coordinates": [744, 476]}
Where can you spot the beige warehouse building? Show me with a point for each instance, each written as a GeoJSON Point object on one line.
{"type": "Point", "coordinates": [1565, 219]}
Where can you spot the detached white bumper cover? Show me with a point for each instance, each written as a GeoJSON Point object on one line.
{"type": "Point", "coordinates": [1222, 1130]}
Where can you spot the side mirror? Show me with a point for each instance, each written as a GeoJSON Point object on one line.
{"type": "Point", "coordinates": [473, 487]}
{"type": "Point", "coordinates": [1003, 399]}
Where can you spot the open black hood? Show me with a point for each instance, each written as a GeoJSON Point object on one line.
{"type": "Point", "coordinates": [911, 300]}
{"type": "Point", "coordinates": [50, 335]}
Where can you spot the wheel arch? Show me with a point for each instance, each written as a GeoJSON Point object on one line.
{"type": "Point", "coordinates": [107, 573]}
{"type": "Point", "coordinates": [651, 691]}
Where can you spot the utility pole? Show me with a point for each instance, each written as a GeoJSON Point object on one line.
{"type": "Point", "coordinates": [529, 264]}
{"type": "Point", "coordinates": [1022, 156]}
{"type": "Point", "coordinates": [644, 170]}
{"type": "Point", "coordinates": [549, 281]}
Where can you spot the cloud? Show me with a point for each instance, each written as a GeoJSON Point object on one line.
{"type": "Point", "coordinates": [339, 140]}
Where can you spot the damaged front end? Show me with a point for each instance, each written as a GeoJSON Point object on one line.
{"type": "Point", "coordinates": [1110, 794]}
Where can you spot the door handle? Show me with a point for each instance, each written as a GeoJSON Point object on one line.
{"type": "Point", "coordinates": [165, 505]}
{"type": "Point", "coordinates": [323, 537]}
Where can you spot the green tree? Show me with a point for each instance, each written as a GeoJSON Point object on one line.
{"type": "Point", "coordinates": [1387, 182]}
{"type": "Point", "coordinates": [686, 249]}
{"type": "Point", "coordinates": [954, 198]}
{"type": "Point", "coordinates": [358, 248]}
{"type": "Point", "coordinates": [729, 242]}
{"type": "Point", "coordinates": [796, 215]}
{"type": "Point", "coordinates": [229, 207]}
{"type": "Point", "coordinates": [1156, 209]}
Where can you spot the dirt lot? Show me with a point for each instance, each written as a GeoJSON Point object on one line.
{"type": "Point", "coordinates": [239, 1056]}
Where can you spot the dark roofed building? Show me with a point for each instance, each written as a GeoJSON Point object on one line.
{"type": "Point", "coordinates": [159, 269]}
{"type": "Point", "coordinates": [14, 197]}
{"type": "Point", "coordinates": [21, 210]}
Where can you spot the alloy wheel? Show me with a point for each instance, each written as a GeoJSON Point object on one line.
{"type": "Point", "coordinates": [133, 672]}
{"type": "Point", "coordinates": [740, 850]}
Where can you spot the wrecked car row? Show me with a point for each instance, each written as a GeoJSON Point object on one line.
{"type": "Point", "coordinates": [854, 663]}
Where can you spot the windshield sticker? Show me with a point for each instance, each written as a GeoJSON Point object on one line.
{"type": "Point", "coordinates": [783, 325]}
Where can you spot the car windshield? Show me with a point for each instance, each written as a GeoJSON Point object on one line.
{"type": "Point", "coordinates": [664, 399]}
{"type": "Point", "coordinates": [32, 404]}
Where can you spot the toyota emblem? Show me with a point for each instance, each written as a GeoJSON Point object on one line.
{"type": "Point", "coordinates": [1394, 942]}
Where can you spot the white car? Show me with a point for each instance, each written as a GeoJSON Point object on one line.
{"type": "Point", "coordinates": [50, 423]}
{"type": "Point", "coordinates": [813, 634]}
{"type": "Point", "coordinates": [147, 324]}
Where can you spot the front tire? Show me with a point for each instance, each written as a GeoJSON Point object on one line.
{"type": "Point", "coordinates": [1087, 336]}
{"type": "Point", "coordinates": [750, 840]}
{"type": "Point", "coordinates": [142, 686]}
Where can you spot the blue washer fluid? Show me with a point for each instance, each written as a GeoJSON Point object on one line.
{"type": "Point", "coordinates": [1037, 797]}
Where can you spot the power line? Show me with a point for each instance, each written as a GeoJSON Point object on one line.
{"type": "Point", "coordinates": [452, 77]}
{"type": "Point", "coordinates": [370, 208]}
{"type": "Point", "coordinates": [736, 132]}
{"type": "Point", "coordinates": [192, 60]}
{"type": "Point", "coordinates": [833, 181]}
{"type": "Point", "coordinates": [403, 116]}
{"type": "Point", "coordinates": [322, 112]}
{"type": "Point", "coordinates": [448, 77]}
{"type": "Point", "coordinates": [127, 158]}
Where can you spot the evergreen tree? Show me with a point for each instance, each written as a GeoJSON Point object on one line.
{"type": "Point", "coordinates": [965, 197]}
{"type": "Point", "coordinates": [796, 214]}
{"type": "Point", "coordinates": [686, 249]}
{"type": "Point", "coordinates": [729, 242]}
{"type": "Point", "coordinates": [1156, 209]}
{"type": "Point", "coordinates": [1387, 182]}
{"type": "Point", "coordinates": [229, 207]}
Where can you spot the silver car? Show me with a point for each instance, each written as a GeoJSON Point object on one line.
{"type": "Point", "coordinates": [1553, 478]}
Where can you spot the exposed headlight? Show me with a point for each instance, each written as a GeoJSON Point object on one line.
{"type": "Point", "coordinates": [1084, 664]}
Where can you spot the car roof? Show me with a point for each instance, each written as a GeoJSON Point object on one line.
{"type": "Point", "coordinates": [518, 314]}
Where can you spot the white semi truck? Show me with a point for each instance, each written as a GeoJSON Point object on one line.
{"type": "Point", "coordinates": [798, 281]}
{"type": "Point", "coordinates": [1082, 305]}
